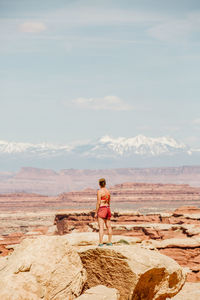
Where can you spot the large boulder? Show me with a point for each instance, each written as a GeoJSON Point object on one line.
{"type": "Point", "coordinates": [43, 268]}
{"type": "Point", "coordinates": [100, 292]}
{"type": "Point", "coordinates": [136, 272]}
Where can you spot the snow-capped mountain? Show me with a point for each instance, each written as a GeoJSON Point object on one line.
{"type": "Point", "coordinates": [43, 148]}
{"type": "Point", "coordinates": [139, 145]}
{"type": "Point", "coordinates": [106, 151]}
{"type": "Point", "coordinates": [105, 146]}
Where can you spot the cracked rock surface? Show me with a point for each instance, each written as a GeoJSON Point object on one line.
{"type": "Point", "coordinates": [137, 273]}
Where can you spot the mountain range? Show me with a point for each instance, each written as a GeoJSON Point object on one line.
{"type": "Point", "coordinates": [138, 151]}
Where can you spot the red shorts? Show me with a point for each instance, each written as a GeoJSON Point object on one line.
{"type": "Point", "coordinates": [104, 212]}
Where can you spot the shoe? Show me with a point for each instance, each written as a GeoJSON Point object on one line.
{"type": "Point", "coordinates": [100, 245]}
{"type": "Point", "coordinates": [109, 244]}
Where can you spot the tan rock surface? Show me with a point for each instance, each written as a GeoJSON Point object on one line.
{"type": "Point", "coordinates": [100, 292]}
{"type": "Point", "coordinates": [187, 210]}
{"type": "Point", "coordinates": [175, 243]}
{"type": "Point", "coordinates": [190, 291]}
{"type": "Point", "coordinates": [43, 268]}
{"type": "Point", "coordinates": [92, 238]}
{"type": "Point", "coordinates": [137, 273]}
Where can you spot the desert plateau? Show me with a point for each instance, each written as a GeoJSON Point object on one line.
{"type": "Point", "coordinates": [50, 182]}
{"type": "Point", "coordinates": [155, 253]}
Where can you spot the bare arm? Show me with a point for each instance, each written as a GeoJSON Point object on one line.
{"type": "Point", "coordinates": [109, 201]}
{"type": "Point", "coordinates": [98, 202]}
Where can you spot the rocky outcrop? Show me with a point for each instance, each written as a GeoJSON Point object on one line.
{"type": "Point", "coordinates": [49, 268]}
{"type": "Point", "coordinates": [100, 292]}
{"type": "Point", "coordinates": [42, 268]}
{"type": "Point", "coordinates": [149, 226]}
{"type": "Point", "coordinates": [175, 234]}
{"type": "Point", "coordinates": [137, 273]}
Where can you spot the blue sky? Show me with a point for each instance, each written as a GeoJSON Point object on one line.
{"type": "Point", "coordinates": [78, 70]}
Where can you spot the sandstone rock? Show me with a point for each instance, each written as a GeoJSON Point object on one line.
{"type": "Point", "coordinates": [185, 251]}
{"type": "Point", "coordinates": [191, 230]}
{"type": "Point", "coordinates": [129, 227]}
{"type": "Point", "coordinates": [137, 273]}
{"type": "Point", "coordinates": [147, 231]}
{"type": "Point", "coordinates": [190, 291]}
{"type": "Point", "coordinates": [125, 212]}
{"type": "Point", "coordinates": [193, 277]}
{"type": "Point", "coordinates": [187, 210]}
{"type": "Point", "coordinates": [3, 262]}
{"type": "Point", "coordinates": [92, 238]}
{"type": "Point", "coordinates": [3, 250]}
{"type": "Point", "coordinates": [100, 292]}
{"type": "Point", "coordinates": [175, 243]}
{"type": "Point", "coordinates": [42, 268]}
{"type": "Point", "coordinates": [192, 216]}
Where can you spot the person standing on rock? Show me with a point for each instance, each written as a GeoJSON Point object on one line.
{"type": "Point", "coordinates": [103, 212]}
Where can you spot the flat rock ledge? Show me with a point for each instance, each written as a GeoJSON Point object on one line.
{"type": "Point", "coordinates": [137, 273]}
{"type": "Point", "coordinates": [100, 292]}
{"type": "Point", "coordinates": [92, 238]}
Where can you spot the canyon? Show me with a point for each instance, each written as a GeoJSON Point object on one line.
{"type": "Point", "coordinates": [163, 218]}
{"type": "Point", "coordinates": [175, 234]}
{"type": "Point", "coordinates": [143, 196]}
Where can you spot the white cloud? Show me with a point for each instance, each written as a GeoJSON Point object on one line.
{"type": "Point", "coordinates": [105, 103]}
{"type": "Point", "coordinates": [32, 27]}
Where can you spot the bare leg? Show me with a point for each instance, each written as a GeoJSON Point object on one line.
{"type": "Point", "coordinates": [101, 229]}
{"type": "Point", "coordinates": [109, 228]}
